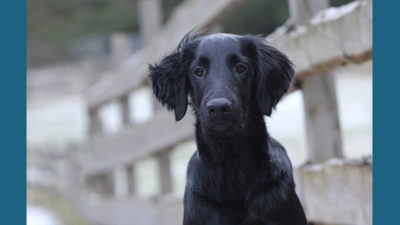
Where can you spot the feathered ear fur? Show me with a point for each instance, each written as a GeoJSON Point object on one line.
{"type": "Point", "coordinates": [274, 75]}
{"type": "Point", "coordinates": [169, 82]}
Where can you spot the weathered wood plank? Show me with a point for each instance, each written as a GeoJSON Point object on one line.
{"type": "Point", "coordinates": [131, 179]}
{"type": "Point", "coordinates": [333, 192]}
{"type": "Point", "coordinates": [150, 18]}
{"type": "Point", "coordinates": [95, 122]}
{"type": "Point", "coordinates": [102, 184]}
{"type": "Point", "coordinates": [336, 191]}
{"type": "Point", "coordinates": [324, 139]}
{"type": "Point", "coordinates": [125, 110]}
{"type": "Point", "coordinates": [132, 72]}
{"type": "Point", "coordinates": [169, 210]}
{"type": "Point", "coordinates": [164, 171]}
{"type": "Point", "coordinates": [136, 142]}
{"type": "Point", "coordinates": [332, 38]}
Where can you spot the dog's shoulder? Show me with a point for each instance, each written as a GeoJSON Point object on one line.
{"type": "Point", "coordinates": [193, 162]}
{"type": "Point", "coordinates": [279, 162]}
{"type": "Point", "coordinates": [193, 169]}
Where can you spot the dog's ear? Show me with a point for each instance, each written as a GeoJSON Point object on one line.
{"type": "Point", "coordinates": [274, 75]}
{"type": "Point", "coordinates": [168, 77]}
{"type": "Point", "coordinates": [169, 83]}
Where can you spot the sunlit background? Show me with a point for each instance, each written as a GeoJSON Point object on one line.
{"type": "Point", "coordinates": [73, 45]}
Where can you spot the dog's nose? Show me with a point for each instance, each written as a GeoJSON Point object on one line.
{"type": "Point", "coordinates": [218, 107]}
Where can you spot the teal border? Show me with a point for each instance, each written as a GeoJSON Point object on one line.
{"type": "Point", "coordinates": [386, 112]}
{"type": "Point", "coordinates": [13, 112]}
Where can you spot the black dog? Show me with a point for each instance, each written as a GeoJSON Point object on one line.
{"type": "Point", "coordinates": [239, 174]}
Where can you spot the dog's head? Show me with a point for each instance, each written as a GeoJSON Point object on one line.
{"type": "Point", "coordinates": [226, 76]}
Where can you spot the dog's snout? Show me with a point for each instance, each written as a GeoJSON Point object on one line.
{"type": "Point", "coordinates": [218, 106]}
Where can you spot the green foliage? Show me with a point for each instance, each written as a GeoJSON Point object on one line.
{"type": "Point", "coordinates": [62, 21]}
{"type": "Point", "coordinates": [339, 2]}
{"type": "Point", "coordinates": [168, 7]}
{"type": "Point", "coordinates": [256, 17]}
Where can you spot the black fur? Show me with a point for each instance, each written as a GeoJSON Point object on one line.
{"type": "Point", "coordinates": [239, 174]}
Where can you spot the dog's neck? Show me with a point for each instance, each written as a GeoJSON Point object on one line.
{"type": "Point", "coordinates": [249, 143]}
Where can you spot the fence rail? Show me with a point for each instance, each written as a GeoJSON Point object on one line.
{"type": "Point", "coordinates": [332, 38]}
{"type": "Point", "coordinates": [134, 143]}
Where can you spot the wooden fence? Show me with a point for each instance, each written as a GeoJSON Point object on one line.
{"type": "Point", "coordinates": [317, 39]}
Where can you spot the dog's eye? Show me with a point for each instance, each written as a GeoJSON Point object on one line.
{"type": "Point", "coordinates": [240, 68]}
{"type": "Point", "coordinates": [199, 71]}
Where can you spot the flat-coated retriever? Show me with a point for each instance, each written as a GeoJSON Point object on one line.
{"type": "Point", "coordinates": [239, 174]}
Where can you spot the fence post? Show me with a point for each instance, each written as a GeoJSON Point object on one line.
{"type": "Point", "coordinates": [95, 125]}
{"type": "Point", "coordinates": [121, 45]}
{"type": "Point", "coordinates": [164, 167]}
{"type": "Point", "coordinates": [130, 170]}
{"type": "Point", "coordinates": [124, 181]}
{"type": "Point", "coordinates": [156, 104]}
{"type": "Point", "coordinates": [319, 94]}
{"type": "Point", "coordinates": [125, 110]}
{"type": "Point", "coordinates": [102, 183]}
{"type": "Point", "coordinates": [150, 18]}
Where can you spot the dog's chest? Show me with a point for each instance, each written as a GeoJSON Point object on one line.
{"type": "Point", "coordinates": [229, 182]}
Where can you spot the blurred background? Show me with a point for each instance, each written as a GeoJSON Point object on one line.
{"type": "Point", "coordinates": [101, 150]}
